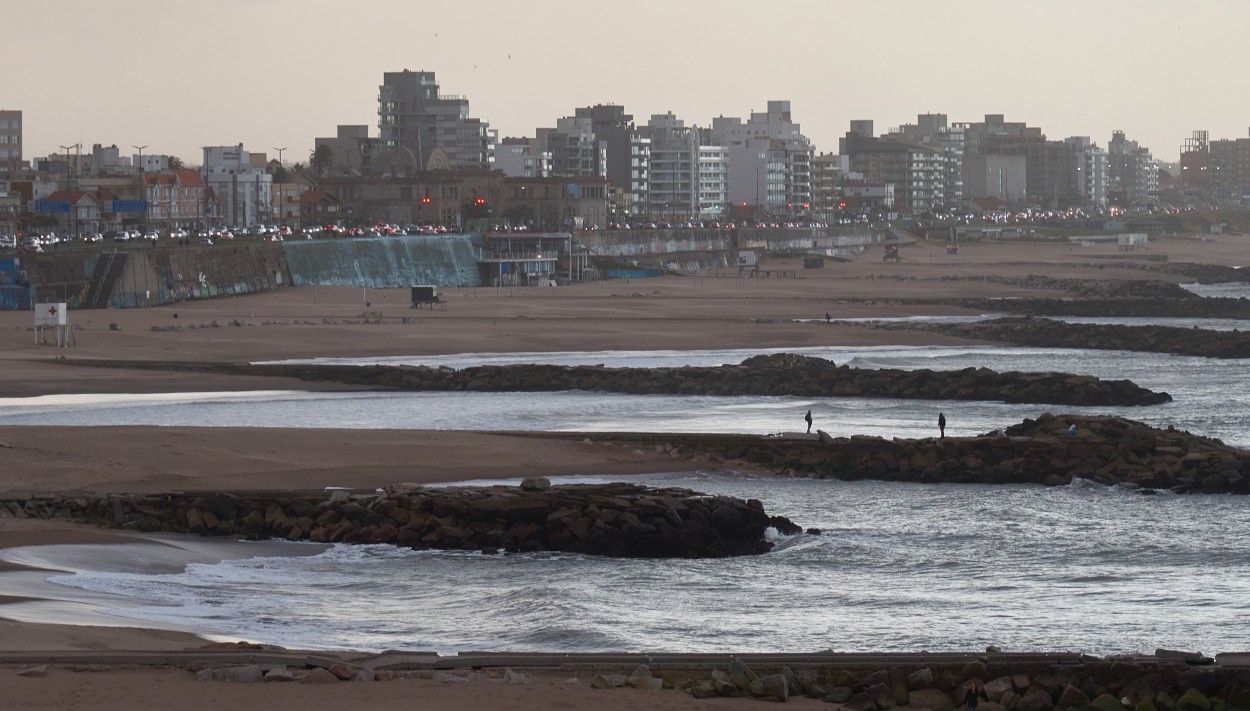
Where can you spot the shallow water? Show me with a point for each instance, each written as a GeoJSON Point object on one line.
{"type": "Point", "coordinates": [899, 567]}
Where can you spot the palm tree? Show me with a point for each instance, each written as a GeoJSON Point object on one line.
{"type": "Point", "coordinates": [321, 159]}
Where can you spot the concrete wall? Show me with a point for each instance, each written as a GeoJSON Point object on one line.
{"type": "Point", "coordinates": [381, 262]}
{"type": "Point", "coordinates": [167, 275]}
{"type": "Point", "coordinates": [157, 275]}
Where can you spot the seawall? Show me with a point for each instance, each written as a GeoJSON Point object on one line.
{"type": "Point", "coordinates": [384, 262]}
{"type": "Point", "coordinates": [619, 520]}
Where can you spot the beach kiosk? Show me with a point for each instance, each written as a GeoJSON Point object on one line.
{"type": "Point", "coordinates": [426, 295]}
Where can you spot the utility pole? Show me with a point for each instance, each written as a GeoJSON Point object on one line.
{"type": "Point", "coordinates": [143, 186]}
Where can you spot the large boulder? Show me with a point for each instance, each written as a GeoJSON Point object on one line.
{"type": "Point", "coordinates": [1204, 678]}
{"type": "Point", "coordinates": [1103, 702]}
{"type": "Point", "coordinates": [1237, 691]}
{"type": "Point", "coordinates": [861, 701]}
{"type": "Point", "coordinates": [741, 674]}
{"type": "Point", "coordinates": [920, 679]}
{"type": "Point", "coordinates": [995, 688]}
{"type": "Point", "coordinates": [1193, 700]}
{"type": "Point", "coordinates": [724, 684]}
{"type": "Point", "coordinates": [773, 686]}
{"type": "Point", "coordinates": [882, 696]}
{"type": "Point", "coordinates": [1073, 698]}
{"type": "Point", "coordinates": [1035, 699]}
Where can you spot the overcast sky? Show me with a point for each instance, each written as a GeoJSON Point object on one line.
{"type": "Point", "coordinates": [176, 75]}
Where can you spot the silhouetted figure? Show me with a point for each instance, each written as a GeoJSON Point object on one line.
{"type": "Point", "coordinates": [973, 693]}
{"type": "Point", "coordinates": [828, 319]}
{"type": "Point", "coordinates": [941, 426]}
{"type": "Point", "coordinates": [809, 421]}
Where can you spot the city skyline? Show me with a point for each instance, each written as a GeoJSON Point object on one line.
{"type": "Point", "coordinates": [174, 77]}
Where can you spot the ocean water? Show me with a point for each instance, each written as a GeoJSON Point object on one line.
{"type": "Point", "coordinates": [898, 567]}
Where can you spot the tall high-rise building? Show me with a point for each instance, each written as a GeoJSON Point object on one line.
{"type": "Point", "coordinates": [628, 153]}
{"type": "Point", "coordinates": [576, 152]}
{"type": "Point", "coordinates": [10, 141]}
{"type": "Point", "coordinates": [1049, 165]}
{"type": "Point", "coordinates": [770, 160]}
{"type": "Point", "coordinates": [688, 174]}
{"type": "Point", "coordinates": [933, 131]}
{"type": "Point", "coordinates": [1134, 173]}
{"type": "Point", "coordinates": [414, 120]}
{"type": "Point", "coordinates": [1230, 169]}
{"type": "Point", "coordinates": [1091, 179]}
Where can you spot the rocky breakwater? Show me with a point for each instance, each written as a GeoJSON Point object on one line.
{"type": "Point", "coordinates": [1056, 334]}
{"type": "Point", "coordinates": [1167, 681]}
{"type": "Point", "coordinates": [776, 374]}
{"type": "Point", "coordinates": [1133, 299]}
{"type": "Point", "coordinates": [621, 520]}
{"type": "Point", "coordinates": [1106, 450]}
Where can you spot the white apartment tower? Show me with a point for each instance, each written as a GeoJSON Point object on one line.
{"type": "Point", "coordinates": [769, 160]}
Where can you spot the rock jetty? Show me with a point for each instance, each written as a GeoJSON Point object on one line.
{"type": "Point", "coordinates": [1173, 681]}
{"type": "Point", "coordinates": [1042, 332]}
{"type": "Point", "coordinates": [1168, 307]}
{"type": "Point", "coordinates": [1168, 680]}
{"type": "Point", "coordinates": [774, 374]}
{"type": "Point", "coordinates": [1106, 450]}
{"type": "Point", "coordinates": [621, 520]}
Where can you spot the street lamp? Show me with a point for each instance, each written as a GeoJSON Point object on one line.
{"type": "Point", "coordinates": [70, 223]}
{"type": "Point", "coordinates": [143, 186]}
{"type": "Point", "coordinates": [279, 150]}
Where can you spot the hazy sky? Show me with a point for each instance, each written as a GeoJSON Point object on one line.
{"type": "Point", "coordinates": [176, 75]}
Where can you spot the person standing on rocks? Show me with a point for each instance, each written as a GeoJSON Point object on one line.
{"type": "Point", "coordinates": [808, 417]}
{"type": "Point", "coordinates": [973, 693]}
{"type": "Point", "coordinates": [941, 426]}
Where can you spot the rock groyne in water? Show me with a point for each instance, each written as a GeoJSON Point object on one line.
{"type": "Point", "coordinates": [774, 374]}
{"type": "Point", "coordinates": [1106, 450]}
{"type": "Point", "coordinates": [621, 520]}
{"type": "Point", "coordinates": [1041, 332]}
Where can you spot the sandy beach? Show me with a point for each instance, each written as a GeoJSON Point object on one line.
{"type": "Point", "coordinates": [664, 313]}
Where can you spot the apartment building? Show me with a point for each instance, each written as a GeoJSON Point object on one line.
{"type": "Point", "coordinates": [414, 118]}
{"type": "Point", "coordinates": [243, 191]}
{"type": "Point", "coordinates": [521, 157]}
{"type": "Point", "coordinates": [769, 160]}
{"type": "Point", "coordinates": [1049, 165]}
{"type": "Point", "coordinates": [576, 152]}
{"type": "Point", "coordinates": [628, 150]}
{"type": "Point", "coordinates": [1091, 179]}
{"type": "Point", "coordinates": [351, 150]}
{"type": "Point", "coordinates": [1133, 172]}
{"type": "Point", "coordinates": [828, 173]}
{"type": "Point", "coordinates": [917, 172]}
{"type": "Point", "coordinates": [1230, 169]}
{"type": "Point", "coordinates": [934, 131]}
{"type": "Point", "coordinates": [10, 141]}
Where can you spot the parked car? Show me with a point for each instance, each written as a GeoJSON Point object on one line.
{"type": "Point", "coordinates": [8, 242]}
